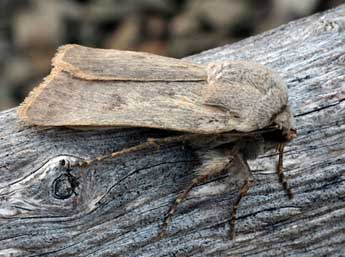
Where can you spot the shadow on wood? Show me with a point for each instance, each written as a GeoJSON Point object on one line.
{"type": "Point", "coordinates": [118, 205]}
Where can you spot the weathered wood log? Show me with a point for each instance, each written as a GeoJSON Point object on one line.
{"type": "Point", "coordinates": [119, 204]}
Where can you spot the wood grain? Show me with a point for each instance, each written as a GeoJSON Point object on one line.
{"type": "Point", "coordinates": [120, 203]}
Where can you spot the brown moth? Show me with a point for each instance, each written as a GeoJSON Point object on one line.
{"type": "Point", "coordinates": [234, 111]}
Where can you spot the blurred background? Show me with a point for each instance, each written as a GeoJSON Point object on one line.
{"type": "Point", "coordinates": [31, 30]}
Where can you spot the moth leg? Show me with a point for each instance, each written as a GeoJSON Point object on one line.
{"type": "Point", "coordinates": [178, 201]}
{"type": "Point", "coordinates": [213, 162]}
{"type": "Point", "coordinates": [244, 189]}
{"type": "Point", "coordinates": [242, 169]}
{"type": "Point", "coordinates": [280, 171]}
{"type": "Point", "coordinates": [150, 144]}
{"type": "Point", "coordinates": [213, 140]}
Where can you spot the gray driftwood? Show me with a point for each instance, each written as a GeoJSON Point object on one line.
{"type": "Point", "coordinates": [121, 202]}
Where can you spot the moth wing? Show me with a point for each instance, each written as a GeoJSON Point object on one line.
{"type": "Point", "coordinates": [100, 88]}
{"type": "Point", "coordinates": [110, 64]}
{"type": "Point", "coordinates": [249, 92]}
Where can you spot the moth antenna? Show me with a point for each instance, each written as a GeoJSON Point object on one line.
{"type": "Point", "coordinates": [280, 171]}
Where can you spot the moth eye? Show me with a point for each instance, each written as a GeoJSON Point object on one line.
{"type": "Point", "coordinates": [64, 186]}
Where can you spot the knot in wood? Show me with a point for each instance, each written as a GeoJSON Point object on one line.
{"type": "Point", "coordinates": [64, 186]}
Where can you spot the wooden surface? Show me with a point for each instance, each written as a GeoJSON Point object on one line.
{"type": "Point", "coordinates": [120, 203]}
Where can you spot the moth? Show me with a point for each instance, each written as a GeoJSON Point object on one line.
{"type": "Point", "coordinates": [232, 111]}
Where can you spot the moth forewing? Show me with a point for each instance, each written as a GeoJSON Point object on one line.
{"type": "Point", "coordinates": [69, 101]}
{"type": "Point", "coordinates": [97, 87]}
{"type": "Point", "coordinates": [110, 64]}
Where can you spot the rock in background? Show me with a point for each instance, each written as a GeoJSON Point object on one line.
{"type": "Point", "coordinates": [31, 30]}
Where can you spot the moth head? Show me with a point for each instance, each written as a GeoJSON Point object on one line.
{"type": "Point", "coordinates": [285, 122]}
